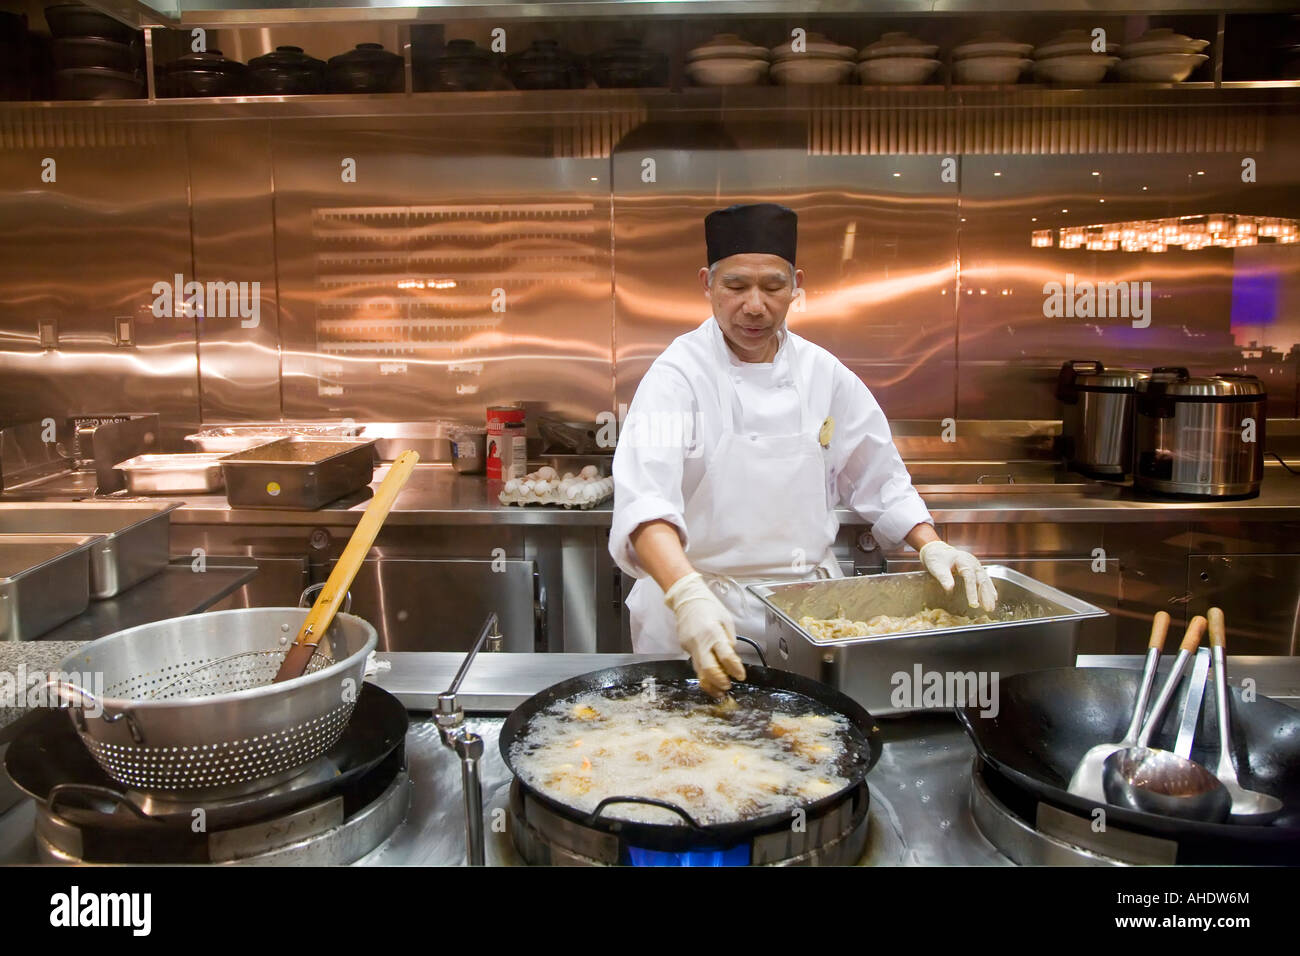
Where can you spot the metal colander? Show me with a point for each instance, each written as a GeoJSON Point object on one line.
{"type": "Point", "coordinates": [187, 709]}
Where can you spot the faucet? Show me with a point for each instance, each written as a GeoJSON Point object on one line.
{"type": "Point", "coordinates": [450, 718]}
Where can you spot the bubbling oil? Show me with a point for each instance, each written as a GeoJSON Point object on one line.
{"type": "Point", "coordinates": [756, 753]}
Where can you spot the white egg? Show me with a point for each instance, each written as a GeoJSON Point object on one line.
{"type": "Point", "coordinates": [526, 486]}
{"type": "Point", "coordinates": [573, 491]}
{"type": "Point", "coordinates": [589, 472]}
{"type": "Point", "coordinates": [512, 484]}
{"type": "Point", "coordinates": [569, 476]}
{"type": "Point", "coordinates": [546, 471]}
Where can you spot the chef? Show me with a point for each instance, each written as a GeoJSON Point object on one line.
{"type": "Point", "coordinates": [739, 444]}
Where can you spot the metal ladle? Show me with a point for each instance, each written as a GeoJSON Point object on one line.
{"type": "Point", "coordinates": [1086, 779]}
{"type": "Point", "coordinates": [1248, 806]}
{"type": "Point", "coordinates": [1164, 782]}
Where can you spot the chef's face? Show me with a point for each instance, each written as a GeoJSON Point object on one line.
{"type": "Point", "coordinates": [750, 295]}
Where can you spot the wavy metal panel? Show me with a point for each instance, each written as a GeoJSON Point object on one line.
{"type": "Point", "coordinates": [456, 272]}
{"type": "Point", "coordinates": [861, 123]}
{"type": "Point", "coordinates": [877, 244]}
{"type": "Point", "coordinates": [80, 256]}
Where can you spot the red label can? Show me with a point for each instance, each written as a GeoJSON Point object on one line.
{"type": "Point", "coordinates": [497, 417]}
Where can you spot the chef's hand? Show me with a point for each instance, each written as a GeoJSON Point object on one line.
{"type": "Point", "coordinates": [707, 632]}
{"type": "Point", "coordinates": [942, 559]}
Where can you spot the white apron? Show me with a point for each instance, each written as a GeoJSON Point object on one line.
{"type": "Point", "coordinates": [759, 514]}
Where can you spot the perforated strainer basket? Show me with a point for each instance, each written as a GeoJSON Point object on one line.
{"type": "Point", "coordinates": [185, 708]}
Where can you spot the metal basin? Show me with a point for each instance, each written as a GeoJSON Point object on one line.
{"type": "Point", "coordinates": [134, 542]}
{"type": "Point", "coordinates": [1035, 626]}
{"type": "Point", "coordinates": [44, 581]}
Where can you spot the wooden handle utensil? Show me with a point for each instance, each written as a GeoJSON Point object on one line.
{"type": "Point", "coordinates": [1192, 637]}
{"type": "Point", "coordinates": [1159, 628]}
{"type": "Point", "coordinates": [345, 570]}
{"type": "Point", "coordinates": [1218, 635]}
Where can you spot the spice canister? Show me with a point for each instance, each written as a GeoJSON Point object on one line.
{"type": "Point", "coordinates": [497, 418]}
{"type": "Point", "coordinates": [514, 451]}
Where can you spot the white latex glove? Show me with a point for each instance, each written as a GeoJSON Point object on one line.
{"type": "Point", "coordinates": [707, 632]}
{"type": "Point", "coordinates": [942, 560]}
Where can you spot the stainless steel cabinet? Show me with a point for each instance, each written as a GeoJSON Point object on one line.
{"type": "Point", "coordinates": [438, 605]}
{"type": "Point", "coordinates": [279, 581]}
{"type": "Point", "coordinates": [1259, 594]}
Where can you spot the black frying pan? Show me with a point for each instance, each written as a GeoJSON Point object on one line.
{"type": "Point", "coordinates": [1048, 719]}
{"type": "Point", "coordinates": [47, 753]}
{"type": "Point", "coordinates": [679, 674]}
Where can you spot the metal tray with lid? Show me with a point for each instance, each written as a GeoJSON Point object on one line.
{"type": "Point", "coordinates": [44, 581]}
{"type": "Point", "coordinates": [1033, 626]}
{"type": "Point", "coordinates": [224, 439]}
{"type": "Point", "coordinates": [298, 473]}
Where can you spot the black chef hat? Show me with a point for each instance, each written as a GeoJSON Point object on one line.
{"type": "Point", "coordinates": [758, 227]}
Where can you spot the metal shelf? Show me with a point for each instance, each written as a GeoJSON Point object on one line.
{"type": "Point", "coordinates": [174, 592]}
{"type": "Point", "coordinates": [254, 13]}
{"type": "Point", "coordinates": [543, 102]}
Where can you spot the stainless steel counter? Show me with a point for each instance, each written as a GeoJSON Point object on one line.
{"type": "Point", "coordinates": [920, 787]}
{"type": "Point", "coordinates": [438, 495]}
{"type": "Point", "coordinates": [920, 813]}
{"type": "Point", "coordinates": [1274, 676]}
{"type": "Point", "coordinates": [496, 684]}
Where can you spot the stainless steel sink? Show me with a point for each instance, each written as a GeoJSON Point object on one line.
{"type": "Point", "coordinates": [68, 486]}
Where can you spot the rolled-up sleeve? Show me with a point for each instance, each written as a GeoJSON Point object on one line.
{"type": "Point", "coordinates": [872, 480]}
{"type": "Point", "coordinates": [647, 470]}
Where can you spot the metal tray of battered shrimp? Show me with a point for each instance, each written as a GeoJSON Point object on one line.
{"type": "Point", "coordinates": [1033, 626]}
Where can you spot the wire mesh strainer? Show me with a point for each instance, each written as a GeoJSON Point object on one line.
{"type": "Point", "coordinates": [239, 671]}
{"type": "Point", "coordinates": [187, 707]}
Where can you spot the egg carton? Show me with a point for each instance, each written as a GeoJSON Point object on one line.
{"type": "Point", "coordinates": [586, 489]}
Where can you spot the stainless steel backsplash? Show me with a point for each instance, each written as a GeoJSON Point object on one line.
{"type": "Point", "coordinates": [486, 252]}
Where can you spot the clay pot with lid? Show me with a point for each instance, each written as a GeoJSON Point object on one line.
{"type": "Point", "coordinates": [79, 20]}
{"type": "Point", "coordinates": [628, 64]}
{"type": "Point", "coordinates": [203, 74]}
{"type": "Point", "coordinates": [544, 66]}
{"type": "Point", "coordinates": [367, 69]}
{"type": "Point", "coordinates": [286, 71]}
{"type": "Point", "coordinates": [463, 66]}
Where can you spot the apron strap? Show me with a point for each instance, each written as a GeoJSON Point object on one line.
{"type": "Point", "coordinates": [727, 395]}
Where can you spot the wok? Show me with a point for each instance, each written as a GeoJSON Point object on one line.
{"type": "Point", "coordinates": [676, 674]}
{"type": "Point", "coordinates": [1048, 719]}
{"type": "Point", "coordinates": [46, 753]}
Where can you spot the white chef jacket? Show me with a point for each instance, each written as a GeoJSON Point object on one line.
{"type": "Point", "coordinates": [675, 421]}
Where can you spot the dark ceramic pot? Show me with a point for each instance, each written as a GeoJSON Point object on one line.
{"type": "Point", "coordinates": [367, 69]}
{"type": "Point", "coordinates": [286, 71]}
{"type": "Point", "coordinates": [544, 66]}
{"type": "Point", "coordinates": [628, 64]}
{"type": "Point", "coordinates": [203, 74]}
{"type": "Point", "coordinates": [462, 66]}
